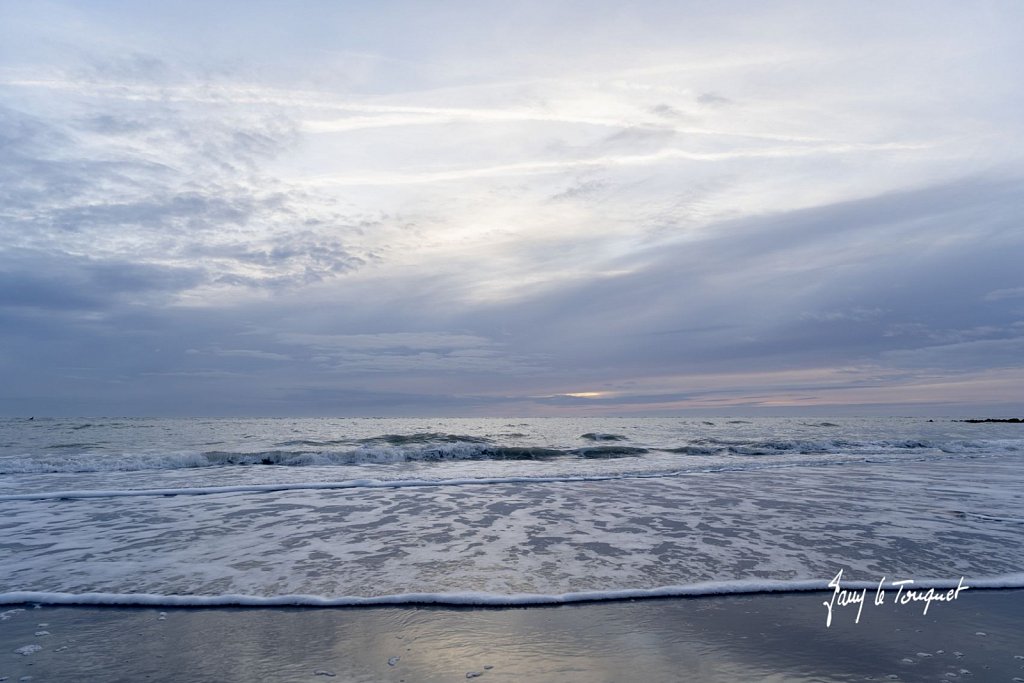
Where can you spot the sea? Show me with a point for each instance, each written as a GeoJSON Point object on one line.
{"type": "Point", "coordinates": [500, 511]}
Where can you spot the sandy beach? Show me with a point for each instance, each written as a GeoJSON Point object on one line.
{"type": "Point", "coordinates": [758, 637]}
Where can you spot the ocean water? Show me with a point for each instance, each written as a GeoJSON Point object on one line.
{"type": "Point", "coordinates": [499, 511]}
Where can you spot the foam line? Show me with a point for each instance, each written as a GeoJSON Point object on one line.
{"type": "Point", "coordinates": [350, 484]}
{"type": "Point", "coordinates": [473, 599]}
{"type": "Point", "coordinates": [385, 483]}
{"type": "Point", "coordinates": [415, 483]}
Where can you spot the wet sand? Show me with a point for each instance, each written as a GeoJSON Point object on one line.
{"type": "Point", "coordinates": [979, 637]}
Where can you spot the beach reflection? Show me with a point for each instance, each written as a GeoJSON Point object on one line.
{"type": "Point", "coordinates": [717, 639]}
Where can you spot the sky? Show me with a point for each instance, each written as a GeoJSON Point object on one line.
{"type": "Point", "coordinates": [511, 209]}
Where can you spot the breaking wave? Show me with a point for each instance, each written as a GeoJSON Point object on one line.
{"type": "Point", "coordinates": [823, 446]}
{"type": "Point", "coordinates": [477, 449]}
{"type": "Point", "coordinates": [423, 438]}
{"type": "Point", "coordinates": [81, 457]}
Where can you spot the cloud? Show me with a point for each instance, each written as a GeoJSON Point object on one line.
{"type": "Point", "coordinates": [244, 353]}
{"type": "Point", "coordinates": [60, 281]}
{"type": "Point", "coordinates": [409, 352]}
{"type": "Point", "coordinates": [768, 292]}
{"type": "Point", "coordinates": [1003, 294]}
{"type": "Point", "coordinates": [166, 185]}
{"type": "Point", "coordinates": [299, 258]}
{"type": "Point", "coordinates": [662, 209]}
{"type": "Point", "coordinates": [713, 99]}
{"type": "Point", "coordinates": [393, 340]}
{"type": "Point", "coordinates": [854, 314]}
{"type": "Point", "coordinates": [965, 356]}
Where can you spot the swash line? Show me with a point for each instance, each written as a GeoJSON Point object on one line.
{"type": "Point", "coordinates": [476, 599]}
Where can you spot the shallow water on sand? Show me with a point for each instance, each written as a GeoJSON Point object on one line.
{"type": "Point", "coordinates": [497, 511]}
{"type": "Point", "coordinates": [717, 639]}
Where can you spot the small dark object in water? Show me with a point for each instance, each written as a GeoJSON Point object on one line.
{"type": "Point", "coordinates": [1013, 420]}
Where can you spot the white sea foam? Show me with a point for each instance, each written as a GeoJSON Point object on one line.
{"type": "Point", "coordinates": [547, 538]}
{"type": "Point", "coordinates": [655, 473]}
{"type": "Point", "coordinates": [524, 513]}
{"type": "Point", "coordinates": [483, 599]}
{"type": "Point", "coordinates": [310, 486]}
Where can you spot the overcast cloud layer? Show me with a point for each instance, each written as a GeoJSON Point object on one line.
{"type": "Point", "coordinates": [342, 208]}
